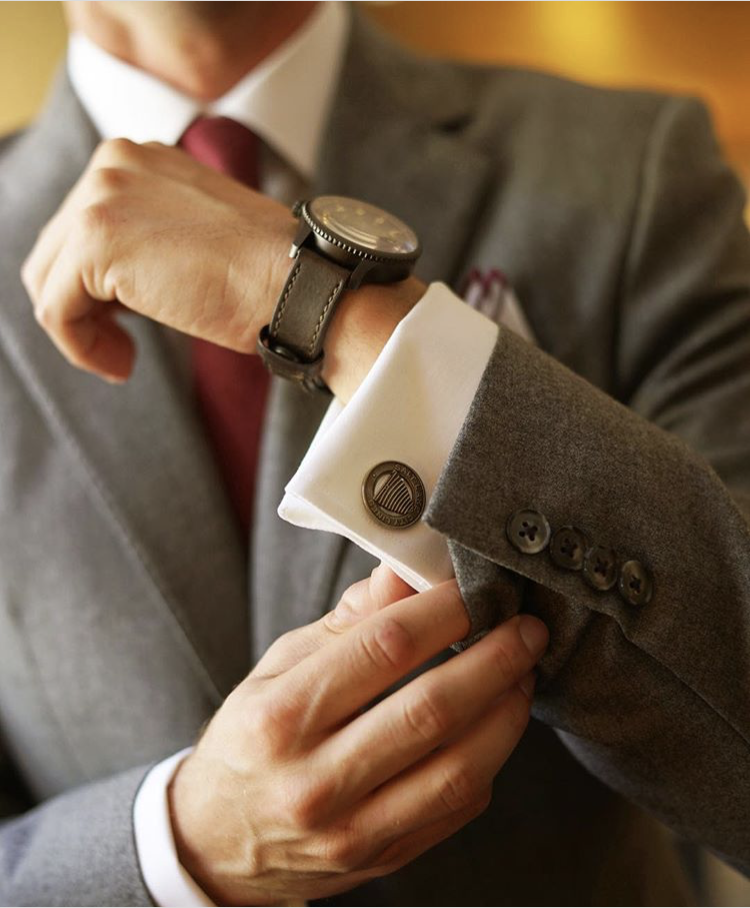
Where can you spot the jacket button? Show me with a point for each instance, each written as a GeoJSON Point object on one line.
{"type": "Point", "coordinates": [636, 586]}
{"type": "Point", "coordinates": [600, 567]}
{"type": "Point", "coordinates": [568, 547]}
{"type": "Point", "coordinates": [528, 531]}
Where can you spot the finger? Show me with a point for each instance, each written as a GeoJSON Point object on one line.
{"type": "Point", "coordinates": [108, 172]}
{"type": "Point", "coordinates": [45, 252]}
{"type": "Point", "coordinates": [421, 840]}
{"type": "Point", "coordinates": [432, 708]}
{"type": "Point", "coordinates": [359, 601]}
{"type": "Point", "coordinates": [335, 682]}
{"type": "Point", "coordinates": [451, 781]}
{"type": "Point", "coordinates": [166, 162]}
{"type": "Point", "coordinates": [407, 847]}
{"type": "Point", "coordinates": [83, 329]}
{"type": "Point", "coordinates": [382, 588]}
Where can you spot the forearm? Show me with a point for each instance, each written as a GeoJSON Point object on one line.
{"type": "Point", "coordinates": [651, 697]}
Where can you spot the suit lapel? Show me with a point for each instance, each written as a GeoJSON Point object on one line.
{"type": "Point", "coordinates": [397, 137]}
{"type": "Point", "coordinates": [392, 140]}
{"type": "Point", "coordinates": [140, 446]}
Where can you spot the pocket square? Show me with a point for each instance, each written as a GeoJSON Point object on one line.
{"type": "Point", "coordinates": [490, 293]}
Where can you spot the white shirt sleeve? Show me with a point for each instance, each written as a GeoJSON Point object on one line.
{"type": "Point", "coordinates": [410, 408]}
{"type": "Point", "coordinates": [167, 881]}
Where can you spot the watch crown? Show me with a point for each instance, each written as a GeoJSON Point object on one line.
{"type": "Point", "coordinates": [297, 207]}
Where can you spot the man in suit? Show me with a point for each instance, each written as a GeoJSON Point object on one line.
{"type": "Point", "coordinates": [124, 614]}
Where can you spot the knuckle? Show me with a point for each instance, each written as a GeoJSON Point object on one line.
{"type": "Point", "coordinates": [388, 645]}
{"type": "Point", "coordinates": [426, 716]}
{"type": "Point", "coordinates": [458, 790]}
{"type": "Point", "coordinates": [159, 147]}
{"type": "Point", "coordinates": [97, 218]}
{"type": "Point", "coordinates": [482, 802]}
{"type": "Point", "coordinates": [456, 600]}
{"type": "Point", "coordinates": [282, 644]}
{"type": "Point", "coordinates": [264, 727]}
{"type": "Point", "coordinates": [44, 316]}
{"type": "Point", "coordinates": [518, 710]}
{"type": "Point", "coordinates": [109, 180]}
{"type": "Point", "coordinates": [28, 276]}
{"type": "Point", "coordinates": [306, 805]}
{"type": "Point", "coordinates": [76, 357]}
{"type": "Point", "coordinates": [342, 852]}
{"type": "Point", "coordinates": [506, 659]}
{"type": "Point", "coordinates": [115, 150]}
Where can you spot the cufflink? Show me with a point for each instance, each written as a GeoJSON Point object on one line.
{"type": "Point", "coordinates": [394, 494]}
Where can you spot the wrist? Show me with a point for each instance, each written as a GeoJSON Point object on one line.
{"type": "Point", "coordinates": [195, 829]}
{"type": "Point", "coordinates": [364, 321]}
{"type": "Point", "coordinates": [342, 296]}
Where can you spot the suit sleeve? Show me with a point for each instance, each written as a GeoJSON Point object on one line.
{"type": "Point", "coordinates": [652, 698]}
{"type": "Point", "coordinates": [75, 849]}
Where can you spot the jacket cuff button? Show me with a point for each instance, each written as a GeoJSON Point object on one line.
{"type": "Point", "coordinates": [568, 548]}
{"type": "Point", "coordinates": [635, 584]}
{"type": "Point", "coordinates": [600, 568]}
{"type": "Point", "coordinates": [528, 531]}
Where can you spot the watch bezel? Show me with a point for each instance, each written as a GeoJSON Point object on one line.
{"type": "Point", "coordinates": [302, 210]}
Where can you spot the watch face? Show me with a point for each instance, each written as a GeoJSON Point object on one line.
{"type": "Point", "coordinates": [363, 225]}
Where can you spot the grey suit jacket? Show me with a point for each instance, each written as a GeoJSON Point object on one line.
{"type": "Point", "coordinates": [127, 610]}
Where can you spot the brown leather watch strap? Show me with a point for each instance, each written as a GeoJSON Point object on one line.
{"type": "Point", "coordinates": [307, 304]}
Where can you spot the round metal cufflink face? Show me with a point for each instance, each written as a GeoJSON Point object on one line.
{"type": "Point", "coordinates": [394, 494]}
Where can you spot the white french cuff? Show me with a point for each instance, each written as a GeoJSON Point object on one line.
{"type": "Point", "coordinates": [167, 881]}
{"type": "Point", "coordinates": [410, 408]}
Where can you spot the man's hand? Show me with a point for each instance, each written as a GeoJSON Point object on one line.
{"type": "Point", "coordinates": [149, 229]}
{"type": "Point", "coordinates": [298, 791]}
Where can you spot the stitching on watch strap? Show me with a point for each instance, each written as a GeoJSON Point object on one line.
{"type": "Point", "coordinates": [331, 298]}
{"type": "Point", "coordinates": [282, 305]}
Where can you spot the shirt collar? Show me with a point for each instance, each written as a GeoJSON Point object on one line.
{"type": "Point", "coordinates": [285, 99]}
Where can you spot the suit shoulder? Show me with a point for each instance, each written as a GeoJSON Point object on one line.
{"type": "Point", "coordinates": [8, 142]}
{"type": "Point", "coordinates": [545, 106]}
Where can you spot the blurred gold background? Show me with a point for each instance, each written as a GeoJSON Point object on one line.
{"type": "Point", "coordinates": [700, 48]}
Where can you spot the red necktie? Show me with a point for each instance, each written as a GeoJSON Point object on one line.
{"type": "Point", "coordinates": [231, 388]}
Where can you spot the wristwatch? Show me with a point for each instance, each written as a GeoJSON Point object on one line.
{"type": "Point", "coordinates": [340, 244]}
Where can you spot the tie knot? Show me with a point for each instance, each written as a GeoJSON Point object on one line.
{"type": "Point", "coordinates": [225, 145]}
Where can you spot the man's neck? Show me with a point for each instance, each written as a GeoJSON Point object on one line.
{"type": "Point", "coordinates": [202, 48]}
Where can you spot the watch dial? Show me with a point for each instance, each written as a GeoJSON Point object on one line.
{"type": "Point", "coordinates": [364, 225]}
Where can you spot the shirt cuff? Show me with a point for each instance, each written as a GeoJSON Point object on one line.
{"type": "Point", "coordinates": [166, 879]}
{"type": "Point", "coordinates": [410, 408]}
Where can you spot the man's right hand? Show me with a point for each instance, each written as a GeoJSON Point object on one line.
{"type": "Point", "coordinates": [297, 791]}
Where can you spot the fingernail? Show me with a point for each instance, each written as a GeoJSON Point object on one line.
{"type": "Point", "coordinates": [527, 685]}
{"type": "Point", "coordinates": [534, 634]}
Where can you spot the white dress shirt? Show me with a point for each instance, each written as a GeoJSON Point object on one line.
{"type": "Point", "coordinates": [410, 407]}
